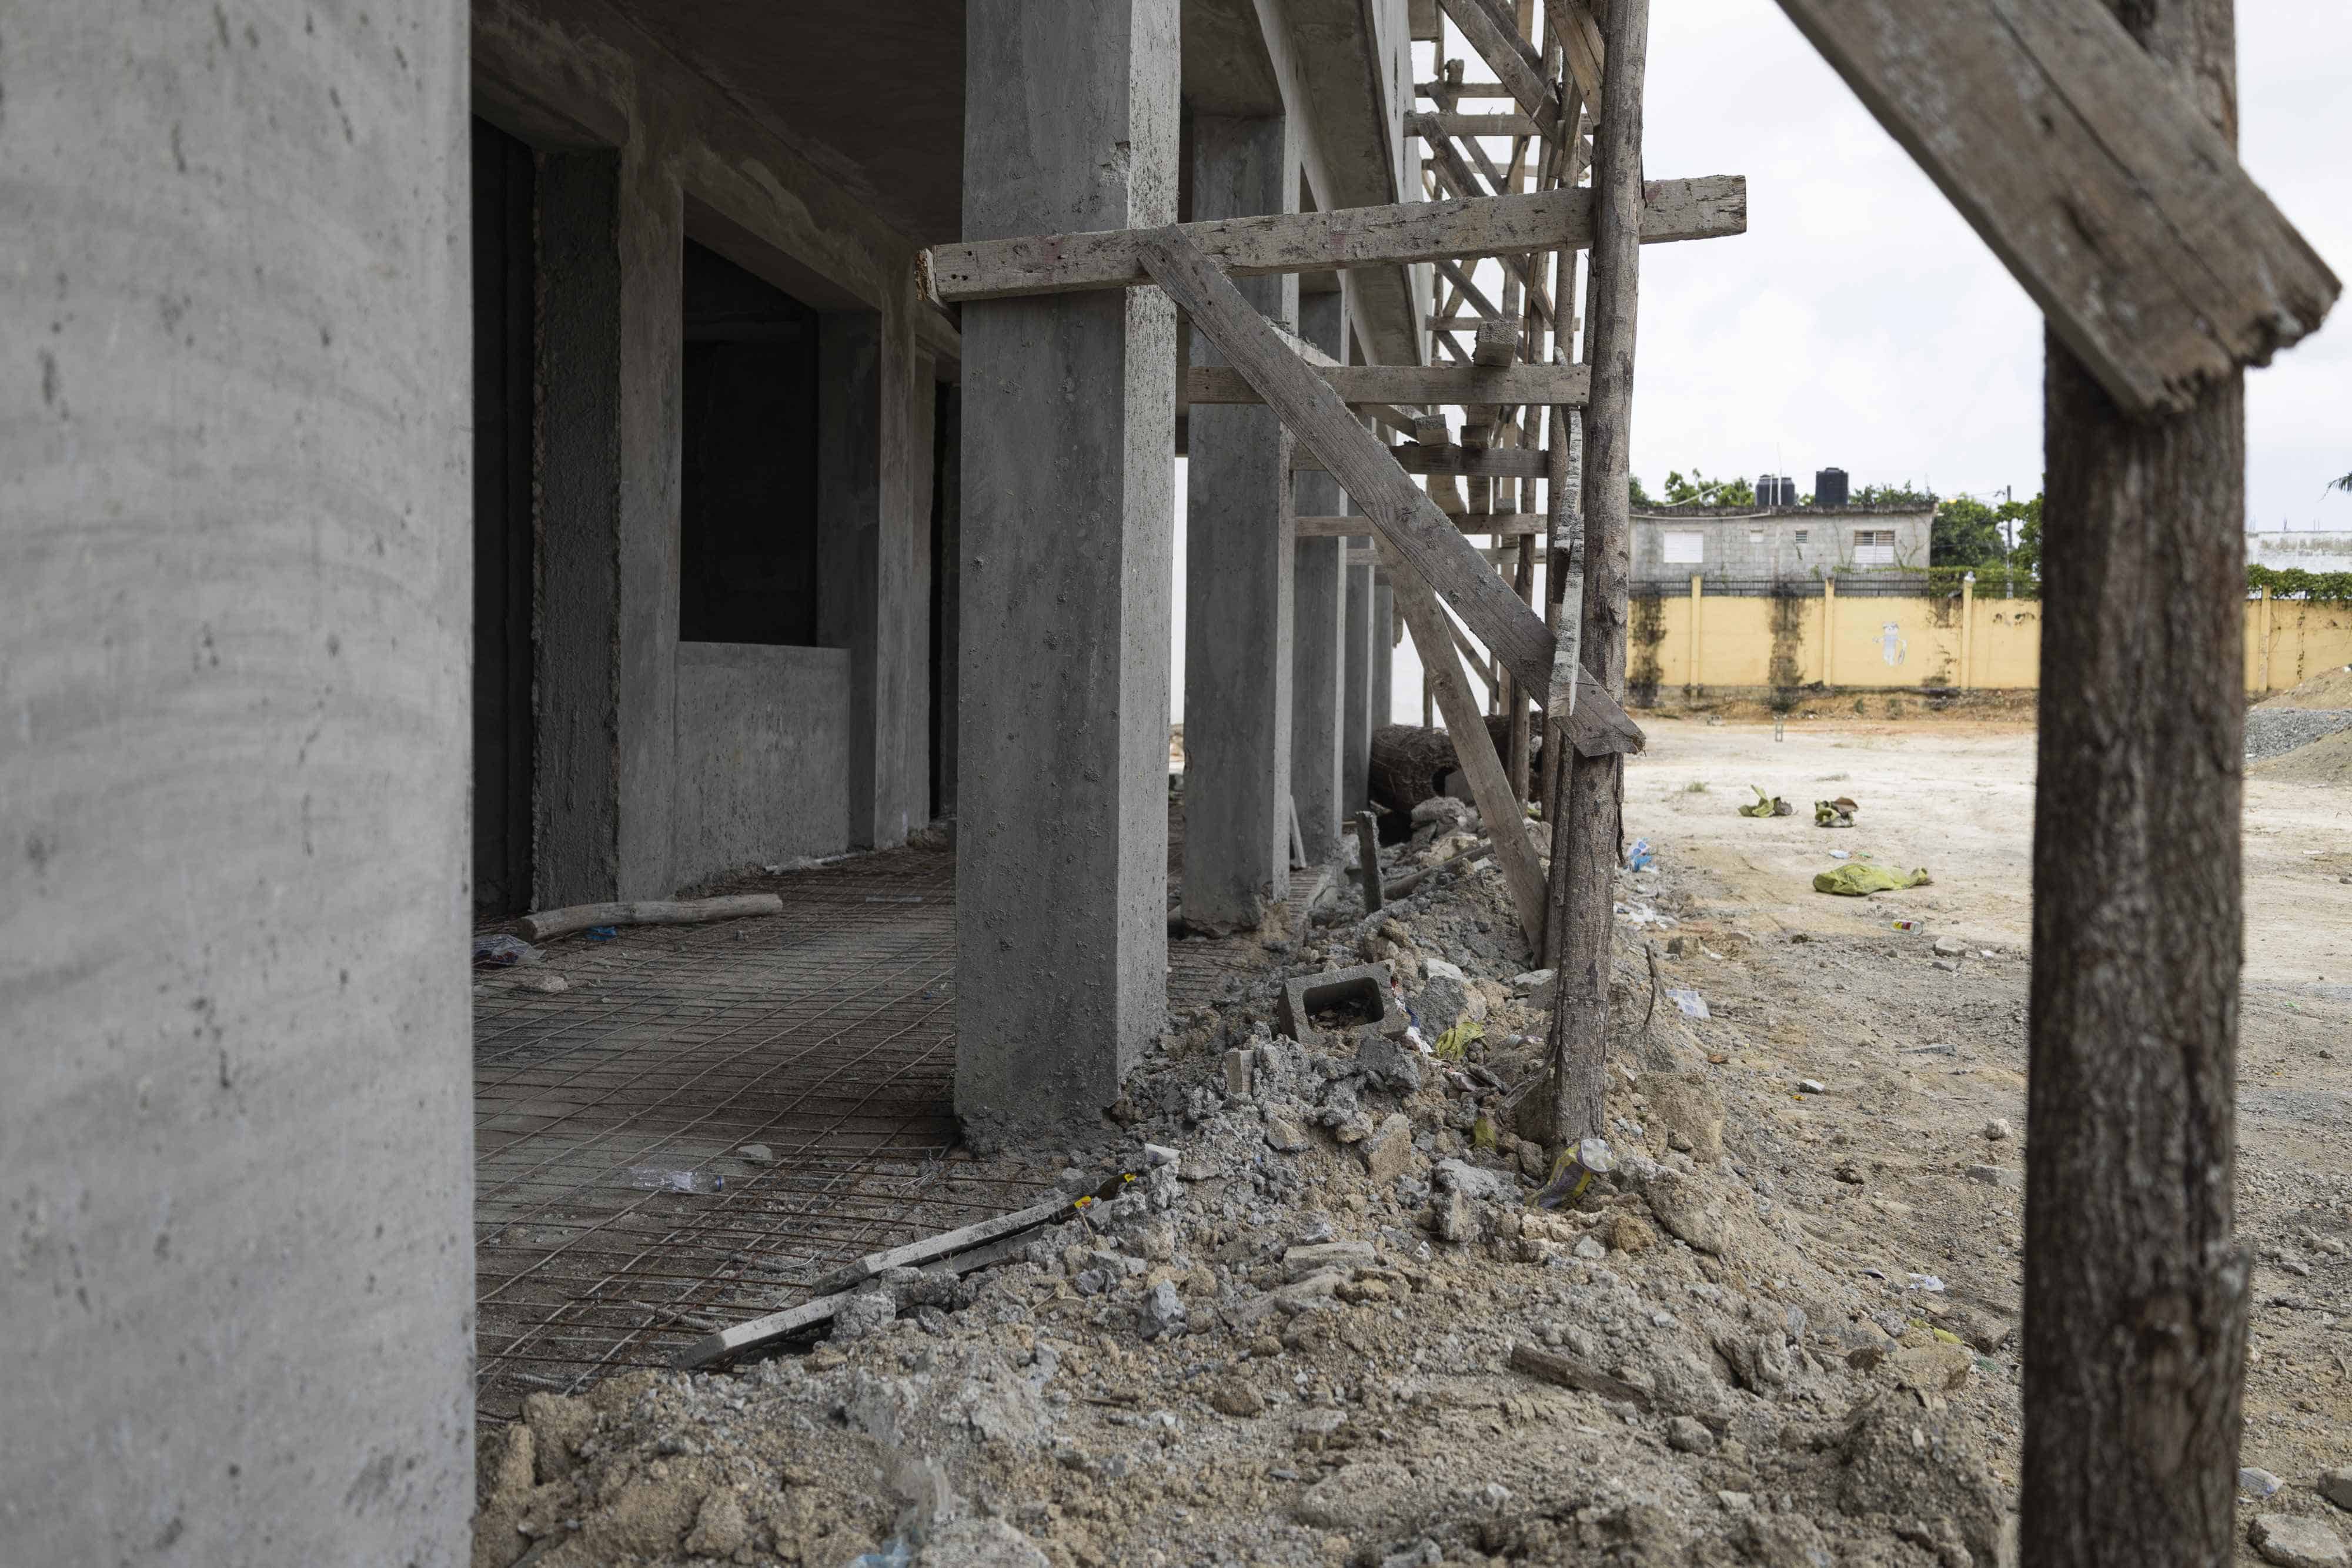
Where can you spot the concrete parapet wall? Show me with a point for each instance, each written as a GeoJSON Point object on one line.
{"type": "Point", "coordinates": [763, 735]}
{"type": "Point", "coordinates": [235, 566]}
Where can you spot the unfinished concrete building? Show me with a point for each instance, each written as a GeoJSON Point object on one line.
{"type": "Point", "coordinates": [472, 460]}
{"type": "Point", "coordinates": [562, 362]}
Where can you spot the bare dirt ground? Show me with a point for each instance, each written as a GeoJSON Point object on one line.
{"type": "Point", "coordinates": [1919, 1058]}
{"type": "Point", "coordinates": [1316, 1329]}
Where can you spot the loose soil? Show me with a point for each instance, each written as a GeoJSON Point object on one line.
{"type": "Point", "coordinates": [1788, 1320]}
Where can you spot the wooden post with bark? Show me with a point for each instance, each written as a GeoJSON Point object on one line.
{"type": "Point", "coordinates": [2136, 1285]}
{"type": "Point", "coordinates": [1585, 838]}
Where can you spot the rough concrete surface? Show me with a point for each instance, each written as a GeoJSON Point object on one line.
{"type": "Point", "coordinates": [763, 733]}
{"type": "Point", "coordinates": [1068, 555]}
{"type": "Point", "coordinates": [235, 631]}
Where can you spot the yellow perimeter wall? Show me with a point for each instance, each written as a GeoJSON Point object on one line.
{"type": "Point", "coordinates": [1966, 642]}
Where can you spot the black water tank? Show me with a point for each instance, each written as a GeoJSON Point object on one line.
{"type": "Point", "coordinates": [1829, 488]}
{"type": "Point", "coordinates": [1776, 490]}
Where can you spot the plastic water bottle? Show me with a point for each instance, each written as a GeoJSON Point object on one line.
{"type": "Point", "coordinates": [666, 1178]}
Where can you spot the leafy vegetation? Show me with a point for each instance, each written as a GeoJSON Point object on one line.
{"type": "Point", "coordinates": [1901, 494]}
{"type": "Point", "coordinates": [1700, 490]}
{"type": "Point", "coordinates": [2294, 582]}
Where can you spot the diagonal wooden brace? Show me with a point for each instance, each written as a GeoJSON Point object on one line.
{"type": "Point", "coordinates": [1399, 512]}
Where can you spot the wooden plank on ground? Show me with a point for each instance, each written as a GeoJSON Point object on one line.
{"type": "Point", "coordinates": [1542, 385]}
{"type": "Point", "coordinates": [2109, 195]}
{"type": "Point", "coordinates": [542, 924]}
{"type": "Point", "coordinates": [1710, 207]}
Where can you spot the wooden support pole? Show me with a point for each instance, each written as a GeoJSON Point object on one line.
{"type": "Point", "coordinates": [1368, 859]}
{"type": "Point", "coordinates": [1432, 639]}
{"type": "Point", "coordinates": [1584, 842]}
{"type": "Point", "coordinates": [2136, 1283]}
{"type": "Point", "coordinates": [1707, 208]}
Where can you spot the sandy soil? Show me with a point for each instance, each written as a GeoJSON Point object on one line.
{"type": "Point", "coordinates": [1863, 1006]}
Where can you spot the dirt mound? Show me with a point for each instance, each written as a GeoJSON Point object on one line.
{"type": "Point", "coordinates": [2331, 688]}
{"type": "Point", "coordinates": [2324, 761]}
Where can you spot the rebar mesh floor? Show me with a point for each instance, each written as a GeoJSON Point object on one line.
{"type": "Point", "coordinates": [616, 1220]}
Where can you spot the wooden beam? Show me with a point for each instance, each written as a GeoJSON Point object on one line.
{"type": "Point", "coordinates": [1505, 58]}
{"type": "Point", "coordinates": [1471, 525]}
{"type": "Point", "coordinates": [1417, 384]}
{"type": "Point", "coordinates": [1571, 23]}
{"type": "Point", "coordinates": [1498, 344]}
{"type": "Point", "coordinates": [2120, 209]}
{"type": "Point", "coordinates": [1482, 124]}
{"type": "Point", "coordinates": [1498, 463]}
{"type": "Point", "coordinates": [1315, 414]}
{"type": "Point", "coordinates": [1710, 207]}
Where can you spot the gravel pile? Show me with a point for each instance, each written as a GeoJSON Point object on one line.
{"type": "Point", "coordinates": [2274, 731]}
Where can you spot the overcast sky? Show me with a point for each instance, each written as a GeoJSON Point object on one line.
{"type": "Point", "coordinates": [1861, 324]}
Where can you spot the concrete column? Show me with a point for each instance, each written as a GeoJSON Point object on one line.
{"type": "Point", "coordinates": [612, 261]}
{"type": "Point", "coordinates": [1238, 577]}
{"type": "Point", "coordinates": [1318, 663]}
{"type": "Point", "coordinates": [1069, 441]}
{"type": "Point", "coordinates": [235, 592]}
{"type": "Point", "coordinates": [874, 426]}
{"type": "Point", "coordinates": [1356, 720]}
{"type": "Point", "coordinates": [1383, 649]}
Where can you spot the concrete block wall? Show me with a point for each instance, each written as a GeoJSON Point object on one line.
{"type": "Point", "coordinates": [236, 565]}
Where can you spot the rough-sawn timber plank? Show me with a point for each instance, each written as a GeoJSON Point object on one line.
{"type": "Point", "coordinates": [2110, 197]}
{"type": "Point", "coordinates": [1394, 509]}
{"type": "Point", "coordinates": [1709, 207]}
{"type": "Point", "coordinates": [1416, 384]}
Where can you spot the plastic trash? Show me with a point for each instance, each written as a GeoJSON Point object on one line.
{"type": "Point", "coordinates": [1639, 857]}
{"type": "Point", "coordinates": [1574, 1170]}
{"type": "Point", "coordinates": [503, 952]}
{"type": "Point", "coordinates": [1837, 813]}
{"type": "Point", "coordinates": [602, 933]}
{"type": "Point", "coordinates": [666, 1178]}
{"type": "Point", "coordinates": [1691, 1004]}
{"type": "Point", "coordinates": [895, 1553]}
{"type": "Point", "coordinates": [1841, 854]}
{"type": "Point", "coordinates": [1766, 805]}
{"type": "Point", "coordinates": [1905, 924]}
{"type": "Point", "coordinates": [1854, 879]}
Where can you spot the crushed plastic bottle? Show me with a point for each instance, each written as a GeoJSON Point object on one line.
{"type": "Point", "coordinates": [1906, 926]}
{"type": "Point", "coordinates": [1574, 1170]}
{"type": "Point", "coordinates": [666, 1178]}
{"type": "Point", "coordinates": [1639, 857]}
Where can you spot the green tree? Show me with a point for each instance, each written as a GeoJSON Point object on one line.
{"type": "Point", "coordinates": [2025, 555]}
{"type": "Point", "coordinates": [1965, 533]}
{"type": "Point", "coordinates": [1901, 494]}
{"type": "Point", "coordinates": [2344, 484]}
{"type": "Point", "coordinates": [1640, 497]}
{"type": "Point", "coordinates": [1700, 490]}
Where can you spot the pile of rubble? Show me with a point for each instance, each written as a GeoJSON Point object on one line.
{"type": "Point", "coordinates": [1328, 1320]}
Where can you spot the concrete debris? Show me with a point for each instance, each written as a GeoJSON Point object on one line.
{"type": "Point", "coordinates": [2291, 1541]}
{"type": "Point", "coordinates": [2336, 1485]}
{"type": "Point", "coordinates": [1327, 1321]}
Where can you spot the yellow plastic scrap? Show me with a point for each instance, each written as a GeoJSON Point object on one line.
{"type": "Point", "coordinates": [1855, 880]}
{"type": "Point", "coordinates": [1454, 1043]}
{"type": "Point", "coordinates": [1481, 1133]}
{"type": "Point", "coordinates": [1761, 807]}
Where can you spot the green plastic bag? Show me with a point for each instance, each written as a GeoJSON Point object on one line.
{"type": "Point", "coordinates": [1857, 879]}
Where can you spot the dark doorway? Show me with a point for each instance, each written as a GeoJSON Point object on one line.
{"type": "Point", "coordinates": [748, 524]}
{"type": "Point", "coordinates": [505, 557]}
